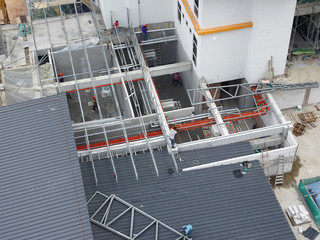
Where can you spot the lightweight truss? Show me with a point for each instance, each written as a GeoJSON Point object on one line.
{"type": "Point", "coordinates": [241, 90]}
{"type": "Point", "coordinates": [101, 217]}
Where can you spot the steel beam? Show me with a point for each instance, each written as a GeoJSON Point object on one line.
{"type": "Point", "coordinates": [214, 110]}
{"type": "Point", "coordinates": [116, 77]}
{"type": "Point", "coordinates": [280, 129]}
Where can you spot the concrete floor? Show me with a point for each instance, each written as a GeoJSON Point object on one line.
{"type": "Point", "coordinates": [307, 165]}
{"type": "Point", "coordinates": [108, 107]}
{"type": "Point", "coordinates": [167, 91]}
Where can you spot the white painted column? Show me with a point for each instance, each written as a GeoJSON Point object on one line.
{"type": "Point", "coordinates": [214, 110]}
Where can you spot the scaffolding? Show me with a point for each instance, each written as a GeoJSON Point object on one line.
{"type": "Point", "coordinates": [306, 26]}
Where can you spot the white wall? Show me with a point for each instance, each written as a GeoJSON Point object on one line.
{"type": "Point", "coordinates": [293, 98]}
{"type": "Point", "coordinates": [140, 11]}
{"type": "Point", "coordinates": [224, 12]}
{"type": "Point", "coordinates": [222, 56]}
{"type": "Point", "coordinates": [155, 11]}
{"type": "Point", "coordinates": [272, 23]}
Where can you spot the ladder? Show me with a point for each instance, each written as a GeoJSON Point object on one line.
{"type": "Point", "coordinates": [280, 176]}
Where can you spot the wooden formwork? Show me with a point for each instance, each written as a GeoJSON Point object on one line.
{"type": "Point", "coordinates": [299, 129]}
{"type": "Point", "coordinates": [308, 117]}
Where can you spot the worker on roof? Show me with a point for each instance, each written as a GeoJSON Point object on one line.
{"type": "Point", "coordinates": [144, 30]}
{"type": "Point", "coordinates": [187, 230]}
{"type": "Point", "coordinates": [116, 26]}
{"type": "Point", "coordinates": [61, 79]}
{"type": "Point", "coordinates": [94, 104]}
{"type": "Point", "coordinates": [173, 132]}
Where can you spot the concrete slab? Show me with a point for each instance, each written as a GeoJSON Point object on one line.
{"type": "Point", "coordinates": [307, 165]}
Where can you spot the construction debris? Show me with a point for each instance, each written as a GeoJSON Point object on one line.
{"type": "Point", "coordinates": [299, 129]}
{"type": "Point", "coordinates": [318, 109]}
{"type": "Point", "coordinates": [298, 215]}
{"type": "Point", "coordinates": [308, 117]}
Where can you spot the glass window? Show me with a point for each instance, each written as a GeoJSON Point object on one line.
{"type": "Point", "coordinates": [196, 8]}
{"type": "Point", "coordinates": [179, 12]}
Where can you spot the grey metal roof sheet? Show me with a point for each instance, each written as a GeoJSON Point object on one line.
{"type": "Point", "coordinates": [217, 204]}
{"type": "Point", "coordinates": [42, 194]}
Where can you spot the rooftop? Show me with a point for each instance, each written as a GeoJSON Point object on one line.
{"type": "Point", "coordinates": [42, 195]}
{"type": "Point", "coordinates": [215, 202]}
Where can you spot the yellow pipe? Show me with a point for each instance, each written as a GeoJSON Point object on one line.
{"type": "Point", "coordinates": [206, 31]}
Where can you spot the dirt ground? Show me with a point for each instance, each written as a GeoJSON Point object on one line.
{"type": "Point", "coordinates": [307, 165]}
{"type": "Point", "coordinates": [15, 8]}
{"type": "Point", "coordinates": [302, 69]}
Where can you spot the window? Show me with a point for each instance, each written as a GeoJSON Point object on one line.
{"type": "Point", "coordinates": [196, 7]}
{"type": "Point", "coordinates": [195, 50]}
{"type": "Point", "coordinates": [179, 12]}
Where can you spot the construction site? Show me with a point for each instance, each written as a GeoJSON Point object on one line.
{"type": "Point", "coordinates": [141, 119]}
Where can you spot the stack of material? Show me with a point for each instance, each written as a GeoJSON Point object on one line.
{"type": "Point", "coordinates": [299, 129]}
{"type": "Point", "coordinates": [298, 214]}
{"type": "Point", "coordinates": [308, 117]}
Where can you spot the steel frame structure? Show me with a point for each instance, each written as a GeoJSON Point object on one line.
{"type": "Point", "coordinates": [242, 90]}
{"type": "Point", "coordinates": [106, 223]}
{"type": "Point", "coordinates": [151, 103]}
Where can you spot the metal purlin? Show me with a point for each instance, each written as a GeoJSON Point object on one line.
{"type": "Point", "coordinates": [140, 84]}
{"type": "Point", "coordinates": [78, 95]}
{"type": "Point", "coordinates": [149, 83]}
{"type": "Point", "coordinates": [137, 105]}
{"type": "Point", "coordinates": [35, 47]}
{"type": "Point", "coordinates": [53, 62]}
{"type": "Point", "coordinates": [97, 99]}
{"type": "Point", "coordinates": [115, 98]}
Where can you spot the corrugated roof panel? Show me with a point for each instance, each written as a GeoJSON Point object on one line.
{"type": "Point", "coordinates": [217, 204]}
{"type": "Point", "coordinates": [42, 195]}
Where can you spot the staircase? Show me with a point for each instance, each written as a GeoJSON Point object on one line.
{"type": "Point", "coordinates": [280, 176]}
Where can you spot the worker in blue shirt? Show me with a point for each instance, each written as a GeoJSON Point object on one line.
{"type": "Point", "coordinates": [144, 30]}
{"type": "Point", "coordinates": [187, 230]}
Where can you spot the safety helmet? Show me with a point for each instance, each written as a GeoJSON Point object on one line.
{"type": "Point", "coordinates": [146, 25]}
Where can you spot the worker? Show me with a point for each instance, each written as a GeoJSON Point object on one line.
{"type": "Point", "coordinates": [61, 79]}
{"type": "Point", "coordinates": [187, 230]}
{"type": "Point", "coordinates": [94, 104]}
{"type": "Point", "coordinates": [173, 132]}
{"type": "Point", "coordinates": [116, 26]}
{"type": "Point", "coordinates": [144, 32]}
{"type": "Point", "coordinates": [176, 80]}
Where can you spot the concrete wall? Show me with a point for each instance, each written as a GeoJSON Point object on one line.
{"type": "Point", "coordinates": [272, 23]}
{"type": "Point", "coordinates": [222, 56]}
{"type": "Point", "coordinates": [140, 11]}
{"type": "Point", "coordinates": [221, 12]}
{"type": "Point", "coordinates": [293, 98]}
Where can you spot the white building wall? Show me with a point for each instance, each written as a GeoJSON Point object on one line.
{"type": "Point", "coordinates": [222, 56]}
{"type": "Point", "coordinates": [224, 12]}
{"type": "Point", "coordinates": [272, 23]}
{"type": "Point", "coordinates": [140, 11]}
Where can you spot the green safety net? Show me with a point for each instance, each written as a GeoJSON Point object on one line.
{"type": "Point", "coordinates": [309, 199]}
{"type": "Point", "coordinates": [306, 1]}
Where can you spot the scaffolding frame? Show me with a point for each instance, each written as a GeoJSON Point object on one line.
{"type": "Point", "coordinates": [106, 223]}
{"type": "Point", "coordinates": [310, 17]}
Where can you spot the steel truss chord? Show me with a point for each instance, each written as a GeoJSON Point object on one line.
{"type": "Point", "coordinates": [134, 97]}
{"type": "Point", "coordinates": [150, 223]}
{"type": "Point", "coordinates": [154, 98]}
